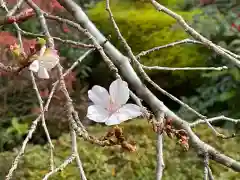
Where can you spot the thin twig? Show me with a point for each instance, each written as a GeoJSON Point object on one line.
{"type": "Point", "coordinates": [206, 166]}
{"type": "Point", "coordinates": [210, 174]}
{"type": "Point", "coordinates": [185, 68]}
{"type": "Point", "coordinates": [229, 52]}
{"type": "Point", "coordinates": [78, 61]}
{"type": "Point", "coordinates": [64, 41]}
{"type": "Point", "coordinates": [8, 68]}
{"type": "Point", "coordinates": [213, 119]}
{"type": "Point", "coordinates": [75, 151]}
{"type": "Point", "coordinates": [195, 34]}
{"type": "Point", "coordinates": [160, 160]}
{"type": "Point", "coordinates": [15, 8]}
{"type": "Point", "coordinates": [61, 167]}
{"type": "Point", "coordinates": [184, 41]}
{"type": "Point", "coordinates": [22, 150]}
{"type": "Point", "coordinates": [43, 121]}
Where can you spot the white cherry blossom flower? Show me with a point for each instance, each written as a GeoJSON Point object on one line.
{"type": "Point", "coordinates": [112, 109]}
{"type": "Point", "coordinates": [47, 59]}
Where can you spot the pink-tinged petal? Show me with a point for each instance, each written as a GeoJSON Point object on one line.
{"type": "Point", "coordinates": [99, 96]}
{"type": "Point", "coordinates": [43, 73]}
{"type": "Point", "coordinates": [49, 59]}
{"type": "Point", "coordinates": [119, 92]}
{"type": "Point", "coordinates": [97, 113]}
{"type": "Point", "coordinates": [34, 66]}
{"type": "Point", "coordinates": [128, 111]}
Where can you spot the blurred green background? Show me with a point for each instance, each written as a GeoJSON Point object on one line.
{"type": "Point", "coordinates": [212, 93]}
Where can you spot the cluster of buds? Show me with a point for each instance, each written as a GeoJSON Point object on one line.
{"type": "Point", "coordinates": [40, 59]}
{"type": "Point", "coordinates": [167, 127]}
{"type": "Point", "coordinates": [182, 138]}
{"type": "Point", "coordinates": [115, 136]}
{"type": "Point", "coordinates": [21, 57]}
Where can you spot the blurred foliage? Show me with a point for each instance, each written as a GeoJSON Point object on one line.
{"type": "Point", "coordinates": [143, 28]}
{"type": "Point", "coordinates": [113, 163]}
{"type": "Point", "coordinates": [219, 93]}
{"type": "Point", "coordinates": [12, 135]}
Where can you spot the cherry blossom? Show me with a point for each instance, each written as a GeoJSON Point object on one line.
{"type": "Point", "coordinates": [47, 59]}
{"type": "Point", "coordinates": [112, 109]}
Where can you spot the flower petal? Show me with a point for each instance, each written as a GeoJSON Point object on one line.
{"type": "Point", "coordinates": [49, 59]}
{"type": "Point", "coordinates": [128, 111]}
{"type": "Point", "coordinates": [99, 96]}
{"type": "Point", "coordinates": [43, 73]}
{"type": "Point", "coordinates": [112, 120]}
{"type": "Point", "coordinates": [119, 92]}
{"type": "Point", "coordinates": [42, 50]}
{"type": "Point", "coordinates": [34, 66]}
{"type": "Point", "coordinates": [97, 113]}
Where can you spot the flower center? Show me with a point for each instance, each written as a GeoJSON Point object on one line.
{"type": "Point", "coordinates": [112, 107]}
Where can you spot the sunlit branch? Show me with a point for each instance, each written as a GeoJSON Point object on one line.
{"type": "Point", "coordinates": [215, 119]}
{"type": "Point", "coordinates": [185, 68]}
{"type": "Point", "coordinates": [184, 41]}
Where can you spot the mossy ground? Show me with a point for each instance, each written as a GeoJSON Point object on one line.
{"type": "Point", "coordinates": [111, 163]}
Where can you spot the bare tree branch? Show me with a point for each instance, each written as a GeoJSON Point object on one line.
{"type": "Point", "coordinates": [61, 167]}
{"type": "Point", "coordinates": [75, 151]}
{"type": "Point", "coordinates": [210, 175]}
{"type": "Point", "coordinates": [185, 68]}
{"type": "Point", "coordinates": [184, 41]}
{"type": "Point", "coordinates": [22, 150]}
{"type": "Point", "coordinates": [43, 120]}
{"type": "Point", "coordinates": [160, 160]}
{"type": "Point", "coordinates": [211, 120]}
{"type": "Point", "coordinates": [206, 166]}
{"type": "Point", "coordinates": [15, 8]}
{"type": "Point", "coordinates": [65, 41]}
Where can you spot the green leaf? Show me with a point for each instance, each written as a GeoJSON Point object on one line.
{"type": "Point", "coordinates": [227, 95]}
